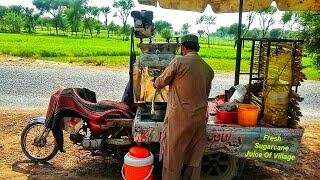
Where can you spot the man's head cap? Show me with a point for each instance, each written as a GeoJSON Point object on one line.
{"type": "Point", "coordinates": [189, 38]}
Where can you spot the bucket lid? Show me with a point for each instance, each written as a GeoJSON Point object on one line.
{"type": "Point", "coordinates": [139, 152]}
{"type": "Point", "coordinates": [138, 162]}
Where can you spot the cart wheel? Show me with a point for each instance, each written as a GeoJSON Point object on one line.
{"type": "Point", "coordinates": [221, 166]}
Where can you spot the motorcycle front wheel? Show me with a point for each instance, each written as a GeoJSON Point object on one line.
{"type": "Point", "coordinates": [36, 148]}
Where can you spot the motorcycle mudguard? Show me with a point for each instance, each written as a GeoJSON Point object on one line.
{"type": "Point", "coordinates": [37, 120]}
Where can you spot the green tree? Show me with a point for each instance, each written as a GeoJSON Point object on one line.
{"type": "Point", "coordinates": [88, 24]}
{"type": "Point", "coordinates": [112, 27]}
{"type": "Point", "coordinates": [200, 32]}
{"type": "Point", "coordinates": [266, 20]}
{"type": "Point", "coordinates": [106, 10]}
{"type": "Point", "coordinates": [64, 25]}
{"type": "Point", "coordinates": [254, 33]}
{"type": "Point", "coordinates": [53, 7]}
{"type": "Point", "coordinates": [74, 14]}
{"type": "Point", "coordinates": [185, 28]}
{"type": "Point", "coordinates": [222, 31]}
{"type": "Point", "coordinates": [31, 19]}
{"type": "Point", "coordinates": [287, 34]}
{"type": "Point", "coordinates": [98, 26]}
{"type": "Point", "coordinates": [95, 12]}
{"type": "Point", "coordinates": [165, 33]}
{"type": "Point", "coordinates": [44, 22]}
{"type": "Point", "coordinates": [125, 32]}
{"type": "Point", "coordinates": [233, 29]}
{"type": "Point", "coordinates": [289, 18]}
{"type": "Point", "coordinates": [310, 22]}
{"type": "Point", "coordinates": [17, 9]}
{"type": "Point", "coordinates": [14, 21]}
{"type": "Point", "coordinates": [124, 8]}
{"type": "Point", "coordinates": [159, 25]}
{"type": "Point", "coordinates": [275, 33]}
{"type": "Point", "coordinates": [206, 22]}
{"type": "Point", "coordinates": [3, 11]}
{"type": "Point", "coordinates": [89, 18]}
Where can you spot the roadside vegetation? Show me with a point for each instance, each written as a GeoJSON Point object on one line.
{"type": "Point", "coordinates": [114, 51]}
{"type": "Point", "coordinates": [41, 45]}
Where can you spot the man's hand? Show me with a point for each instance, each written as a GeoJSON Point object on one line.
{"type": "Point", "coordinates": [154, 85]}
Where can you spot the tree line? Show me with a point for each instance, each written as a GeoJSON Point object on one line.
{"type": "Point", "coordinates": [73, 16]}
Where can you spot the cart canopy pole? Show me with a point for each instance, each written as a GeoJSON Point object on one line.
{"type": "Point", "coordinates": [239, 45]}
{"type": "Point", "coordinates": [132, 59]}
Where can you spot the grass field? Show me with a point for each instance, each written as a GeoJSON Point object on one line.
{"type": "Point", "coordinates": [38, 45]}
{"type": "Point", "coordinates": [220, 56]}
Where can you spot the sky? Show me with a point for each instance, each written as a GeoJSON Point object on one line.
{"type": "Point", "coordinates": [175, 17]}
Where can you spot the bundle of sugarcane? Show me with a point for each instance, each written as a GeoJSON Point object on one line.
{"type": "Point", "coordinates": [264, 57]}
{"type": "Point", "coordinates": [275, 103]}
{"type": "Point", "coordinates": [258, 65]}
{"type": "Point", "coordinates": [276, 115]}
{"type": "Point", "coordinates": [298, 76]}
{"type": "Point", "coordinates": [285, 45]}
{"type": "Point", "coordinates": [299, 53]}
{"type": "Point", "coordinates": [256, 57]}
{"type": "Point", "coordinates": [276, 87]}
{"type": "Point", "coordinates": [283, 51]}
{"type": "Point", "coordinates": [256, 100]}
{"type": "Point", "coordinates": [280, 66]}
{"type": "Point", "coordinates": [294, 111]}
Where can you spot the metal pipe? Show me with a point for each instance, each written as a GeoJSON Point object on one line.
{"type": "Point", "coordinates": [132, 59]}
{"type": "Point", "coordinates": [248, 73]}
{"type": "Point", "coordinates": [251, 69]}
{"type": "Point", "coordinates": [272, 40]}
{"type": "Point", "coordinates": [260, 60]}
{"type": "Point", "coordinates": [293, 62]}
{"type": "Point", "coordinates": [239, 44]}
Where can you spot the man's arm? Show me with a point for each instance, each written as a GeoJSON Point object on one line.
{"type": "Point", "coordinates": [167, 76]}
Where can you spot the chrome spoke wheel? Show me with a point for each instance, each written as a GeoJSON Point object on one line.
{"type": "Point", "coordinates": [35, 147]}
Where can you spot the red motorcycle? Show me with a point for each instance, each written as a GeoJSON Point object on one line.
{"type": "Point", "coordinates": [103, 126]}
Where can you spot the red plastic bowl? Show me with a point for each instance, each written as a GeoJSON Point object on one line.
{"type": "Point", "coordinates": [227, 116]}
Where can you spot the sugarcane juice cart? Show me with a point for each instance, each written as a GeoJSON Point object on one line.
{"type": "Point", "coordinates": [273, 81]}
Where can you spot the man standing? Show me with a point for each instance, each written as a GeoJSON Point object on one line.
{"type": "Point", "coordinates": [184, 133]}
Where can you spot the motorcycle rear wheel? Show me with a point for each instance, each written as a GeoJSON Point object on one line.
{"type": "Point", "coordinates": [43, 150]}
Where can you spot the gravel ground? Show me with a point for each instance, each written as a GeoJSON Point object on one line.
{"type": "Point", "coordinates": [31, 86]}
